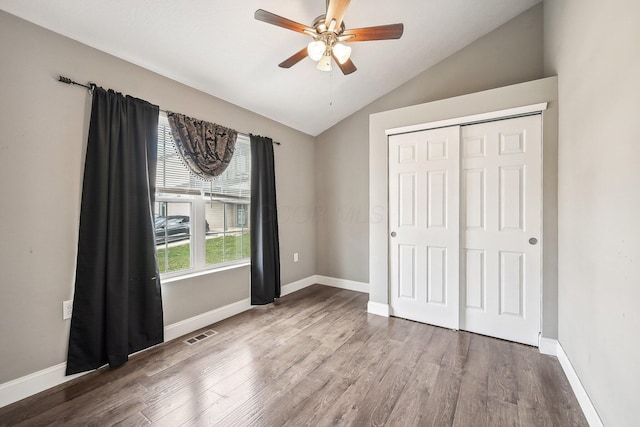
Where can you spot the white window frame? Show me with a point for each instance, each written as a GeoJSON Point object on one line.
{"type": "Point", "coordinates": [197, 240]}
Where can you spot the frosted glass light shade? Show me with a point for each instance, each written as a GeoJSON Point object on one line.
{"type": "Point", "coordinates": [324, 64]}
{"type": "Point", "coordinates": [316, 50]}
{"type": "Point", "coordinates": [342, 52]}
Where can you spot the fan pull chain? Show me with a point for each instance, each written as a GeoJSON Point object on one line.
{"type": "Point", "coordinates": [330, 89]}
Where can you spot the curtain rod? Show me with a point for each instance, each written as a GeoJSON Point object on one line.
{"type": "Point", "coordinates": [91, 85]}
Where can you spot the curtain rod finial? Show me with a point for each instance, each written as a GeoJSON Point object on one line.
{"type": "Point", "coordinates": [68, 81]}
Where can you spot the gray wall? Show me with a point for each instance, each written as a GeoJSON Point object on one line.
{"type": "Point", "coordinates": [510, 54]}
{"type": "Point", "coordinates": [42, 146]}
{"type": "Point", "coordinates": [592, 46]}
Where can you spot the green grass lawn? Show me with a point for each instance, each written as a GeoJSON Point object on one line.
{"type": "Point", "coordinates": [219, 249]}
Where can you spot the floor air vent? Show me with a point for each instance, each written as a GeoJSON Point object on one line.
{"type": "Point", "coordinates": [203, 336]}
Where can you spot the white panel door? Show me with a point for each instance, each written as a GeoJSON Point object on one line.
{"type": "Point", "coordinates": [424, 216]}
{"type": "Point", "coordinates": [501, 228]}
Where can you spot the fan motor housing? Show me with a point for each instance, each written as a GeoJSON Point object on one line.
{"type": "Point", "coordinates": [320, 25]}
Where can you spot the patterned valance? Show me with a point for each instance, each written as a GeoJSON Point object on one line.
{"type": "Point", "coordinates": [206, 147]}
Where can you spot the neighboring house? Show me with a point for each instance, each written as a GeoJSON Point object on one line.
{"type": "Point", "coordinates": [591, 45]}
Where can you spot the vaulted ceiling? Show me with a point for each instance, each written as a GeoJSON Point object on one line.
{"type": "Point", "coordinates": [219, 48]}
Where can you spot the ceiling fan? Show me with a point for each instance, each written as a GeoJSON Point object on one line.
{"type": "Point", "coordinates": [329, 35]}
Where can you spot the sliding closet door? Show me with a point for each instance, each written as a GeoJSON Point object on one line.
{"type": "Point", "coordinates": [501, 228]}
{"type": "Point", "coordinates": [424, 226]}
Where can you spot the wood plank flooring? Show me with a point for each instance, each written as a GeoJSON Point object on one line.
{"type": "Point", "coordinates": [316, 358]}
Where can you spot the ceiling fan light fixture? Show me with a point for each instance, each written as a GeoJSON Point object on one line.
{"type": "Point", "coordinates": [316, 49]}
{"type": "Point", "coordinates": [342, 52]}
{"type": "Point", "coordinates": [324, 64]}
{"type": "Point", "coordinates": [328, 31]}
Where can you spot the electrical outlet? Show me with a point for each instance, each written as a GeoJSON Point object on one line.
{"type": "Point", "coordinates": [67, 308]}
{"type": "Point", "coordinates": [295, 257]}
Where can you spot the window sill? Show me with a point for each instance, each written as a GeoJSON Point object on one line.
{"type": "Point", "coordinates": [180, 277]}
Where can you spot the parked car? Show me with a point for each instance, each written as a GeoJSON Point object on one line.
{"type": "Point", "coordinates": [173, 228]}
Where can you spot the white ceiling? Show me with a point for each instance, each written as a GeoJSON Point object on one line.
{"type": "Point", "coordinates": [218, 47]}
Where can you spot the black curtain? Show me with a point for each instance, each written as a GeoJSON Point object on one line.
{"type": "Point", "coordinates": [265, 246]}
{"type": "Point", "coordinates": [117, 305]}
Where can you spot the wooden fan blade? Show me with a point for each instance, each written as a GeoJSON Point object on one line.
{"type": "Point", "coordinates": [346, 68]}
{"type": "Point", "coordinates": [336, 10]}
{"type": "Point", "coordinates": [383, 32]}
{"type": "Point", "coordinates": [271, 18]}
{"type": "Point", "coordinates": [294, 59]}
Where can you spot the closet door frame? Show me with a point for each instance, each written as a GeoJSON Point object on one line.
{"type": "Point", "coordinates": [539, 95]}
{"type": "Point", "coordinates": [443, 150]}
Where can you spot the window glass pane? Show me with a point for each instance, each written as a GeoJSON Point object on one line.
{"type": "Point", "coordinates": [171, 172]}
{"type": "Point", "coordinates": [224, 205]}
{"type": "Point", "coordinates": [173, 235]}
{"type": "Point", "coordinates": [235, 181]}
{"type": "Point", "coordinates": [228, 235]}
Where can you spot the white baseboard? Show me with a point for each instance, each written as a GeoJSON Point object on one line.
{"type": "Point", "coordinates": [342, 283]}
{"type": "Point", "coordinates": [297, 285]}
{"type": "Point", "coordinates": [36, 382]}
{"type": "Point", "coordinates": [205, 319]}
{"type": "Point", "coordinates": [378, 308]}
{"type": "Point", "coordinates": [200, 321]}
{"type": "Point", "coordinates": [548, 346]}
{"type": "Point", "coordinates": [26, 386]}
{"type": "Point", "coordinates": [554, 348]}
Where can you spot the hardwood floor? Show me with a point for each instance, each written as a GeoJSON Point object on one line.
{"type": "Point", "coordinates": [317, 358]}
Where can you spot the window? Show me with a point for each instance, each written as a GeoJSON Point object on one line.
{"type": "Point", "coordinates": [200, 224]}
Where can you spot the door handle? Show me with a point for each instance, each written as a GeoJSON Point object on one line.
{"type": "Point", "coordinates": [393, 234]}
{"type": "Point", "coordinates": [533, 241]}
